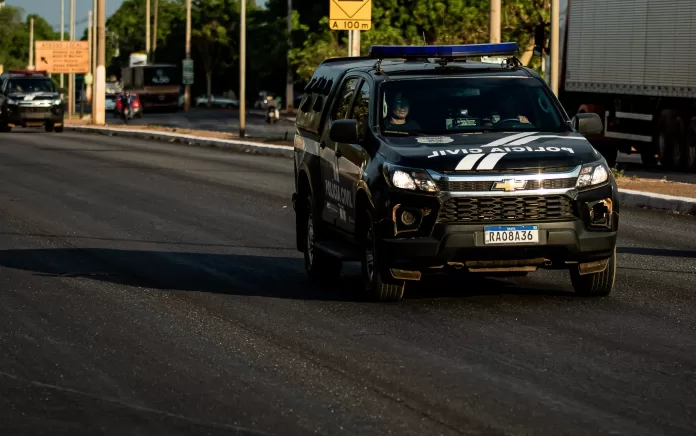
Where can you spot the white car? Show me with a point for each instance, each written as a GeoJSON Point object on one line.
{"type": "Point", "coordinates": [111, 102]}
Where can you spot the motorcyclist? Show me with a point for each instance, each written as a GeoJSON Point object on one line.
{"type": "Point", "coordinates": [126, 101]}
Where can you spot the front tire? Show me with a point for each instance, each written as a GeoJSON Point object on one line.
{"type": "Point", "coordinates": [595, 285]}
{"type": "Point", "coordinates": [4, 128]}
{"type": "Point", "coordinates": [50, 127]}
{"type": "Point", "coordinates": [320, 267]}
{"type": "Point", "coordinates": [378, 282]}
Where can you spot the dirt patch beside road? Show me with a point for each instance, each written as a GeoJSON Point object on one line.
{"type": "Point", "coordinates": [663, 186]}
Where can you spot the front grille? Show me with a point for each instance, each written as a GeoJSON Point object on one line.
{"type": "Point", "coordinates": [506, 209]}
{"type": "Point", "coordinates": [34, 110]}
{"type": "Point", "coordinates": [450, 186]}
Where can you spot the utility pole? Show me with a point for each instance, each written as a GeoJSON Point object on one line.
{"type": "Point", "coordinates": [555, 42]}
{"type": "Point", "coordinates": [154, 31]}
{"type": "Point", "coordinates": [350, 43]}
{"type": "Point", "coordinates": [148, 19]}
{"type": "Point", "coordinates": [495, 22]}
{"type": "Point", "coordinates": [99, 101]}
{"type": "Point", "coordinates": [31, 44]}
{"type": "Point", "coordinates": [92, 53]}
{"type": "Point", "coordinates": [242, 68]}
{"type": "Point", "coordinates": [71, 77]}
{"type": "Point", "coordinates": [187, 92]}
{"type": "Point", "coordinates": [62, 36]}
{"type": "Point", "coordinates": [289, 94]}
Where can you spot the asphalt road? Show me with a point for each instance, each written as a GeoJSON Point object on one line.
{"type": "Point", "coordinates": [153, 289]}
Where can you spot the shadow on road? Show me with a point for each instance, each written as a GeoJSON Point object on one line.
{"type": "Point", "coordinates": [234, 274]}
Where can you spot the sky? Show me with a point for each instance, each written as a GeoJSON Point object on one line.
{"type": "Point", "coordinates": [50, 10]}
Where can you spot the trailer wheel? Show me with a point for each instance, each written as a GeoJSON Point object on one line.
{"type": "Point", "coordinates": [669, 139]}
{"type": "Point", "coordinates": [689, 150]}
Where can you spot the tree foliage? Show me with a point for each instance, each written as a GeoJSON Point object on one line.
{"type": "Point", "coordinates": [14, 36]}
{"type": "Point", "coordinates": [215, 35]}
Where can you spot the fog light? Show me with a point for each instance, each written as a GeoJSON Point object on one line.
{"type": "Point", "coordinates": [600, 213]}
{"type": "Point", "coordinates": [407, 218]}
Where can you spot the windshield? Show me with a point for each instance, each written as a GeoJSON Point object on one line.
{"type": "Point", "coordinates": [462, 105]}
{"type": "Point", "coordinates": [30, 85]}
{"type": "Point", "coordinates": [161, 76]}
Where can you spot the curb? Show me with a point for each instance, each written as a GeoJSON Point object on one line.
{"type": "Point", "coordinates": [225, 144]}
{"type": "Point", "coordinates": [650, 200]}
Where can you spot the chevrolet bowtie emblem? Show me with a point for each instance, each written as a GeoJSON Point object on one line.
{"type": "Point", "coordinates": [509, 185]}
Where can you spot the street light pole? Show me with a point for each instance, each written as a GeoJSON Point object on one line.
{"type": "Point", "coordinates": [99, 101]}
{"type": "Point", "coordinates": [62, 36]}
{"type": "Point", "coordinates": [31, 44]}
{"type": "Point", "coordinates": [154, 31]}
{"type": "Point", "coordinates": [494, 29]}
{"type": "Point", "coordinates": [147, 29]}
{"type": "Point", "coordinates": [242, 68]}
{"type": "Point", "coordinates": [288, 88]}
{"type": "Point", "coordinates": [187, 93]}
{"type": "Point", "coordinates": [555, 41]}
{"type": "Point", "coordinates": [92, 53]}
{"type": "Point", "coordinates": [71, 77]}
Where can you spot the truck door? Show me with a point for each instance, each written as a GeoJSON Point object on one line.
{"type": "Point", "coordinates": [334, 195]}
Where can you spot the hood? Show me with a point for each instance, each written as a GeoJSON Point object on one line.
{"type": "Point", "coordinates": [490, 151]}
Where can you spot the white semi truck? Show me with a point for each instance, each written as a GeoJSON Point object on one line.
{"type": "Point", "coordinates": [633, 62]}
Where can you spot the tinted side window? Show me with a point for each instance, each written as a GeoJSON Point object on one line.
{"type": "Point", "coordinates": [361, 109]}
{"type": "Point", "coordinates": [344, 97]}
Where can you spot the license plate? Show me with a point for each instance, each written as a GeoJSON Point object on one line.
{"type": "Point", "coordinates": [511, 234]}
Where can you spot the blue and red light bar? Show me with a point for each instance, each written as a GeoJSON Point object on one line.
{"type": "Point", "coordinates": [442, 51]}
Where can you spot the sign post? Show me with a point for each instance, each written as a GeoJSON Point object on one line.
{"type": "Point", "coordinates": [353, 16]}
{"type": "Point", "coordinates": [67, 57]}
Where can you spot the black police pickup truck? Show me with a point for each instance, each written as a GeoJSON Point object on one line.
{"type": "Point", "coordinates": [417, 159]}
{"type": "Point", "coordinates": [29, 99]}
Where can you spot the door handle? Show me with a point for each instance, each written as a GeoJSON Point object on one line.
{"type": "Point", "coordinates": [338, 153]}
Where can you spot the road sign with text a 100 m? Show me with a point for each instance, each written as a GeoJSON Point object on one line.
{"type": "Point", "coordinates": [187, 77]}
{"type": "Point", "coordinates": [350, 14]}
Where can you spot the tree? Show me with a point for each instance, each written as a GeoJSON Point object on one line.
{"type": "Point", "coordinates": [210, 40]}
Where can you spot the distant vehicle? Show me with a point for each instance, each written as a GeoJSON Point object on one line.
{"type": "Point", "coordinates": [156, 85]}
{"type": "Point", "coordinates": [136, 107]}
{"type": "Point", "coordinates": [29, 99]}
{"type": "Point", "coordinates": [111, 102]}
{"type": "Point", "coordinates": [217, 101]}
{"type": "Point", "coordinates": [637, 75]}
{"type": "Point", "coordinates": [264, 99]}
{"type": "Point", "coordinates": [419, 159]}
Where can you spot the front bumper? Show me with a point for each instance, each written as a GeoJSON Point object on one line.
{"type": "Point", "coordinates": [562, 241]}
{"type": "Point", "coordinates": [31, 116]}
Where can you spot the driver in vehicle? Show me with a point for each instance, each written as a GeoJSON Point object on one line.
{"type": "Point", "coordinates": [399, 121]}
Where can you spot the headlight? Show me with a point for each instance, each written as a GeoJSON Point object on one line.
{"type": "Point", "coordinates": [10, 101]}
{"type": "Point", "coordinates": [592, 175]}
{"type": "Point", "coordinates": [410, 179]}
{"type": "Point", "coordinates": [57, 102]}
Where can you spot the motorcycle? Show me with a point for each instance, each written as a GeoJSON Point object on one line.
{"type": "Point", "coordinates": [272, 115]}
{"type": "Point", "coordinates": [126, 111]}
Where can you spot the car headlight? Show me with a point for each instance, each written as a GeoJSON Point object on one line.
{"type": "Point", "coordinates": [410, 179]}
{"type": "Point", "coordinates": [592, 175]}
{"type": "Point", "coordinates": [10, 101]}
{"type": "Point", "coordinates": [57, 102]}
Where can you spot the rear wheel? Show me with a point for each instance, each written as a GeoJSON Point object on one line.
{"type": "Point", "coordinates": [378, 282]}
{"type": "Point", "coordinates": [319, 266]}
{"type": "Point", "coordinates": [595, 285]}
{"type": "Point", "coordinates": [4, 128]}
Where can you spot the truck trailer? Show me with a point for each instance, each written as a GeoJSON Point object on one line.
{"type": "Point", "coordinates": [633, 62]}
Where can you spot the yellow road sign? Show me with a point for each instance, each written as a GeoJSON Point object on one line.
{"type": "Point", "coordinates": [350, 14]}
{"type": "Point", "coordinates": [68, 57]}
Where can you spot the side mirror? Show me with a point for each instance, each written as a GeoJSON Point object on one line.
{"type": "Point", "coordinates": [345, 131]}
{"type": "Point", "coordinates": [588, 124]}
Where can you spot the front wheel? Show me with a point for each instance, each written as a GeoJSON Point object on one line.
{"type": "Point", "coordinates": [595, 285]}
{"type": "Point", "coordinates": [5, 128]}
{"type": "Point", "coordinates": [378, 282]}
{"type": "Point", "coordinates": [319, 266]}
